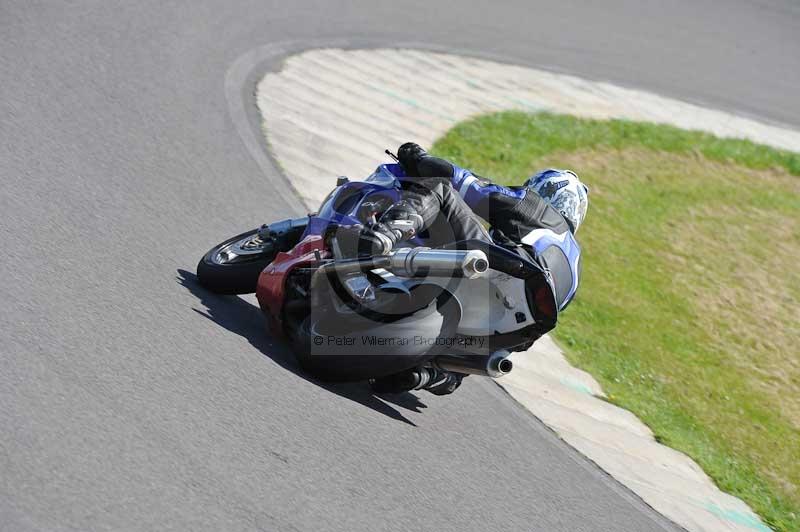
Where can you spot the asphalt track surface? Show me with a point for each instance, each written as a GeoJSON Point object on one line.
{"type": "Point", "coordinates": [132, 399]}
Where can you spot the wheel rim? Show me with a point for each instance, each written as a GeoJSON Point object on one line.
{"type": "Point", "coordinates": [248, 248]}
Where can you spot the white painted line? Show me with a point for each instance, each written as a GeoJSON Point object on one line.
{"type": "Point", "coordinates": [332, 112]}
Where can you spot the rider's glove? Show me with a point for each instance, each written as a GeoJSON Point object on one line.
{"type": "Point", "coordinates": [403, 220]}
{"type": "Point", "coordinates": [400, 222]}
{"type": "Point", "coordinates": [409, 155]}
{"type": "Point", "coordinates": [376, 239]}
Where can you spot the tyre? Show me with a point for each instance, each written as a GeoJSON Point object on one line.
{"type": "Point", "coordinates": [233, 267]}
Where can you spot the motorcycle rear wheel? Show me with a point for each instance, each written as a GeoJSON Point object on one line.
{"type": "Point", "coordinates": [233, 266]}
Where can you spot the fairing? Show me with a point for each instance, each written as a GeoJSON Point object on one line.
{"type": "Point", "coordinates": [347, 205]}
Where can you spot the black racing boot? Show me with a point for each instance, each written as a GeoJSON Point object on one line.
{"type": "Point", "coordinates": [436, 381]}
{"type": "Point", "coordinates": [443, 382]}
{"type": "Point", "coordinates": [399, 382]}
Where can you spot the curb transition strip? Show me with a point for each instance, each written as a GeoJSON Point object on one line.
{"type": "Point", "coordinates": [339, 109]}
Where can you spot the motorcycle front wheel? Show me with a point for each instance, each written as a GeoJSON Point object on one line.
{"type": "Point", "coordinates": [233, 266]}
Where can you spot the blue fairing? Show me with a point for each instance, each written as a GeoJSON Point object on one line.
{"type": "Point", "coordinates": [342, 206]}
{"type": "Point", "coordinates": [386, 173]}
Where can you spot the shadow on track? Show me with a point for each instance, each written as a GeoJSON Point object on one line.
{"type": "Point", "coordinates": [245, 319]}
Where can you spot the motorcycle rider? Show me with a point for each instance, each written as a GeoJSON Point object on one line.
{"type": "Point", "coordinates": [538, 219]}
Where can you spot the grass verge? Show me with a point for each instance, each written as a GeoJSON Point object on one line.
{"type": "Point", "coordinates": [689, 309]}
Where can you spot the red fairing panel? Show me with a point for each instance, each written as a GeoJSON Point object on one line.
{"type": "Point", "coordinates": [272, 281]}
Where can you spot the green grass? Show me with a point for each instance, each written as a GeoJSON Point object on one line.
{"type": "Point", "coordinates": [689, 309]}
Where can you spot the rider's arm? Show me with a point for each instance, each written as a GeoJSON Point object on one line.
{"type": "Point", "coordinates": [405, 219]}
{"type": "Point", "coordinates": [515, 211]}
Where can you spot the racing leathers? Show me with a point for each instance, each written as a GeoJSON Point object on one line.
{"type": "Point", "coordinates": [446, 201]}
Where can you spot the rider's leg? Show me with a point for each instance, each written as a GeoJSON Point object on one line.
{"type": "Point", "coordinates": [448, 218]}
{"type": "Point", "coordinates": [466, 225]}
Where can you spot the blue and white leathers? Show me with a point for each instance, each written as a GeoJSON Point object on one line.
{"type": "Point", "coordinates": [480, 194]}
{"type": "Point", "coordinates": [476, 192]}
{"type": "Point", "coordinates": [541, 239]}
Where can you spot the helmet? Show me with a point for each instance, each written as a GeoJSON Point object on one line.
{"type": "Point", "coordinates": [564, 191]}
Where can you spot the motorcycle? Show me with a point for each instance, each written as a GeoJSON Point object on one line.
{"type": "Point", "coordinates": [461, 307]}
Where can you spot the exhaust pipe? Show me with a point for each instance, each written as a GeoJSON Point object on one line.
{"type": "Point", "coordinates": [420, 262]}
{"type": "Point", "coordinates": [495, 365]}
